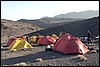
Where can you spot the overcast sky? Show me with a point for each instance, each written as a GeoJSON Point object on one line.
{"type": "Point", "coordinates": [15, 10]}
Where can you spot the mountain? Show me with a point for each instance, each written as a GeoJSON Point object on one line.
{"type": "Point", "coordinates": [76, 28]}
{"type": "Point", "coordinates": [82, 14]}
{"type": "Point", "coordinates": [47, 22]}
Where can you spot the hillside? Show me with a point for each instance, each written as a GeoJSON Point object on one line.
{"type": "Point", "coordinates": [77, 28]}
{"type": "Point", "coordinates": [10, 28]}
{"type": "Point", "coordinates": [49, 22]}
{"type": "Point", "coordinates": [83, 14]}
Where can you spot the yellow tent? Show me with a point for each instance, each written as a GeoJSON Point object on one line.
{"type": "Point", "coordinates": [32, 39]}
{"type": "Point", "coordinates": [18, 44]}
{"type": "Point", "coordinates": [55, 36]}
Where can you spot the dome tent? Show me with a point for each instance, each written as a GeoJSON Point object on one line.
{"type": "Point", "coordinates": [69, 44]}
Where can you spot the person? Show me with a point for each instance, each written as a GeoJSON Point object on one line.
{"type": "Point", "coordinates": [37, 37]}
{"type": "Point", "coordinates": [60, 34]}
{"type": "Point", "coordinates": [89, 37]}
{"type": "Point", "coordinates": [27, 38]}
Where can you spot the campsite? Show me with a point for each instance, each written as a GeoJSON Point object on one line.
{"type": "Point", "coordinates": [67, 51]}
{"type": "Point", "coordinates": [61, 40]}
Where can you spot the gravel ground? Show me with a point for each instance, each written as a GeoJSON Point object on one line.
{"type": "Point", "coordinates": [49, 58]}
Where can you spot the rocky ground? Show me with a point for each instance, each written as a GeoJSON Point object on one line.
{"type": "Point", "coordinates": [39, 57]}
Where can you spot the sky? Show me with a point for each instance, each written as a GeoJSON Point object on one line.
{"type": "Point", "coordinates": [15, 10]}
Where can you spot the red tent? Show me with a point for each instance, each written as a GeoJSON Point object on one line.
{"type": "Point", "coordinates": [10, 41]}
{"type": "Point", "coordinates": [70, 44]}
{"type": "Point", "coordinates": [46, 40]}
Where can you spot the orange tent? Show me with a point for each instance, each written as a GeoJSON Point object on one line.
{"type": "Point", "coordinates": [46, 40]}
{"type": "Point", "coordinates": [55, 36]}
{"type": "Point", "coordinates": [70, 44]}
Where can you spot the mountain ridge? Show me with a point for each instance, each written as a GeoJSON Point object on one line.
{"type": "Point", "coordinates": [81, 14]}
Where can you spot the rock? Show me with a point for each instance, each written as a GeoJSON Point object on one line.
{"type": "Point", "coordinates": [79, 64]}
{"type": "Point", "coordinates": [22, 64]}
{"type": "Point", "coordinates": [49, 65]}
{"type": "Point", "coordinates": [93, 51]}
{"type": "Point", "coordinates": [81, 57]}
{"type": "Point", "coordinates": [90, 44]}
{"type": "Point", "coordinates": [4, 65]}
{"type": "Point", "coordinates": [2, 47]}
{"type": "Point", "coordinates": [39, 59]}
